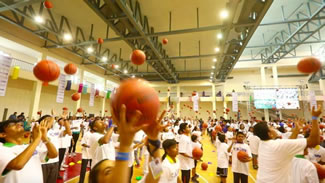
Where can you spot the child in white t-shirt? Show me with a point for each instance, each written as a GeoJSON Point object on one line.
{"type": "Point", "coordinates": [170, 164]}
{"type": "Point", "coordinates": [195, 143]}
{"type": "Point", "coordinates": [240, 168]}
{"type": "Point", "coordinates": [223, 158]}
{"type": "Point", "coordinates": [253, 142]}
{"type": "Point", "coordinates": [302, 170]}
{"type": "Point", "coordinates": [185, 151]}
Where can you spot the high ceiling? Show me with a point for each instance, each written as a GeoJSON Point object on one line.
{"type": "Point", "coordinates": [191, 27]}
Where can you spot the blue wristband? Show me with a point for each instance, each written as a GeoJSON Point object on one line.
{"type": "Point", "coordinates": [122, 156]}
{"type": "Point", "coordinates": [314, 117]}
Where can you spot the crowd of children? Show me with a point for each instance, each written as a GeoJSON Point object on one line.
{"type": "Point", "coordinates": [280, 151]}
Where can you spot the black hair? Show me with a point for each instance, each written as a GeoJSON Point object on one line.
{"type": "Point", "coordinates": [240, 133]}
{"type": "Point", "coordinates": [93, 175]}
{"type": "Point", "coordinates": [261, 130]}
{"type": "Point", "coordinates": [166, 145]}
{"type": "Point", "coordinates": [179, 132]}
{"type": "Point", "coordinates": [282, 129]}
{"type": "Point", "coordinates": [115, 129]}
{"type": "Point", "coordinates": [194, 138]}
{"type": "Point", "coordinates": [263, 118]}
{"type": "Point", "coordinates": [42, 118]}
{"type": "Point", "coordinates": [92, 124]}
{"type": "Point", "coordinates": [194, 129]}
{"type": "Point", "coordinates": [182, 127]}
{"type": "Point", "coordinates": [4, 125]}
{"type": "Point", "coordinates": [221, 137]}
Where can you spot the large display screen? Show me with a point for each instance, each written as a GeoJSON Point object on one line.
{"type": "Point", "coordinates": [282, 98]}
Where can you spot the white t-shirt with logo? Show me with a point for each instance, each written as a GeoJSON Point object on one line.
{"type": "Point", "coordinates": [76, 125]}
{"type": "Point", "coordinates": [253, 141]}
{"type": "Point", "coordinates": [275, 158]}
{"type": "Point", "coordinates": [223, 156]}
{"type": "Point", "coordinates": [98, 152]}
{"type": "Point", "coordinates": [31, 172]}
{"type": "Point", "coordinates": [229, 135]}
{"type": "Point", "coordinates": [185, 146]}
{"type": "Point", "coordinates": [316, 155]}
{"type": "Point", "coordinates": [170, 171]}
{"type": "Point", "coordinates": [303, 171]}
{"type": "Point", "coordinates": [238, 166]}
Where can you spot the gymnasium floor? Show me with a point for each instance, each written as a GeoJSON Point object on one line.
{"type": "Point", "coordinates": [71, 175]}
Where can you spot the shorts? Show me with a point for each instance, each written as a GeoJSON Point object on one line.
{"type": "Point", "coordinates": [254, 155]}
{"type": "Point", "coordinates": [222, 172]}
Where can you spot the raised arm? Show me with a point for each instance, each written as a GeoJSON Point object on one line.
{"type": "Point", "coordinates": [20, 161]}
{"type": "Point", "coordinates": [314, 139]}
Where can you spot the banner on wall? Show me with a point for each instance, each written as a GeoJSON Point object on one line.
{"type": "Point", "coordinates": [61, 89]}
{"type": "Point", "coordinates": [92, 95]}
{"type": "Point", "coordinates": [234, 102]}
{"type": "Point", "coordinates": [312, 99]}
{"type": "Point", "coordinates": [5, 64]}
{"type": "Point", "coordinates": [195, 100]}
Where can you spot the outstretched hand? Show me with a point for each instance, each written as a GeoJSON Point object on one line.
{"type": "Point", "coordinates": [299, 123]}
{"type": "Point", "coordinates": [155, 128]}
{"type": "Point", "coordinates": [317, 112]}
{"type": "Point", "coordinates": [127, 129]}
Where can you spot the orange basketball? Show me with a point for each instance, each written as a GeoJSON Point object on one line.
{"type": "Point", "coordinates": [65, 108]}
{"type": "Point", "coordinates": [204, 166]}
{"type": "Point", "coordinates": [79, 109]}
{"type": "Point", "coordinates": [138, 57]}
{"type": "Point", "coordinates": [214, 133]}
{"type": "Point", "coordinates": [227, 110]}
{"type": "Point", "coordinates": [320, 170]}
{"type": "Point", "coordinates": [218, 128]}
{"type": "Point", "coordinates": [75, 96]}
{"type": "Point", "coordinates": [197, 153]}
{"type": "Point", "coordinates": [136, 94]}
{"type": "Point", "coordinates": [321, 126]}
{"type": "Point", "coordinates": [165, 41]}
{"type": "Point", "coordinates": [309, 65]}
{"type": "Point", "coordinates": [204, 125]}
{"type": "Point", "coordinates": [70, 69]}
{"type": "Point", "coordinates": [241, 155]}
{"type": "Point", "coordinates": [46, 71]}
{"type": "Point", "coordinates": [48, 4]}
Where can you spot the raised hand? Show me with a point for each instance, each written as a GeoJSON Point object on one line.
{"type": "Point", "coordinates": [64, 114]}
{"type": "Point", "coordinates": [318, 112]}
{"type": "Point", "coordinates": [299, 123]}
{"type": "Point", "coordinates": [36, 133]}
{"type": "Point", "coordinates": [154, 129]}
{"type": "Point", "coordinates": [43, 129]}
{"type": "Point", "coordinates": [127, 129]}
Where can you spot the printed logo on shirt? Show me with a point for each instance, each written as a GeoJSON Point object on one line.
{"type": "Point", "coordinates": [240, 149]}
{"type": "Point", "coordinates": [317, 155]}
{"type": "Point", "coordinates": [35, 153]}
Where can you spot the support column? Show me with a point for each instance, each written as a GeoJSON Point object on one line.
{"type": "Point", "coordinates": [275, 75]}
{"type": "Point", "coordinates": [34, 104]}
{"type": "Point", "coordinates": [168, 95]}
{"type": "Point", "coordinates": [77, 104]}
{"type": "Point", "coordinates": [263, 79]}
{"type": "Point", "coordinates": [214, 107]}
{"type": "Point", "coordinates": [103, 100]}
{"type": "Point", "coordinates": [225, 107]}
{"type": "Point", "coordinates": [322, 88]}
{"type": "Point", "coordinates": [178, 106]}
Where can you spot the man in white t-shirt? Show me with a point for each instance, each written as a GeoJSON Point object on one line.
{"type": "Point", "coordinates": [19, 162]}
{"type": "Point", "coordinates": [275, 156]}
{"type": "Point", "coordinates": [185, 152]}
{"type": "Point", "coordinates": [240, 167]}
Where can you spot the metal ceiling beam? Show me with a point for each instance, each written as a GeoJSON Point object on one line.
{"type": "Point", "coordinates": [127, 10]}
{"type": "Point", "coordinates": [181, 31]}
{"type": "Point", "coordinates": [301, 34]}
{"type": "Point", "coordinates": [101, 7]}
{"type": "Point", "coordinates": [251, 12]}
{"type": "Point", "coordinates": [18, 4]}
{"type": "Point", "coordinates": [279, 44]}
{"type": "Point", "coordinates": [50, 27]}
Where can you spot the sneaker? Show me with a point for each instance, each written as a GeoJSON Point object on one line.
{"type": "Point", "coordinates": [196, 176]}
{"type": "Point", "coordinates": [65, 166]}
{"type": "Point", "coordinates": [194, 180]}
{"type": "Point", "coordinates": [74, 154]}
{"type": "Point", "coordinates": [62, 169]}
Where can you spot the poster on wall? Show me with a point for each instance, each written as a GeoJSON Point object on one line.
{"type": "Point", "coordinates": [92, 95]}
{"type": "Point", "coordinates": [234, 102]}
{"type": "Point", "coordinates": [5, 64]}
{"type": "Point", "coordinates": [312, 99]}
{"type": "Point", "coordinates": [195, 100]}
{"type": "Point", "coordinates": [61, 89]}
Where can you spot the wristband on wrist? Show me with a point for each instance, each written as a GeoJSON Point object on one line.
{"type": "Point", "coordinates": [121, 156]}
{"type": "Point", "coordinates": [314, 117]}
